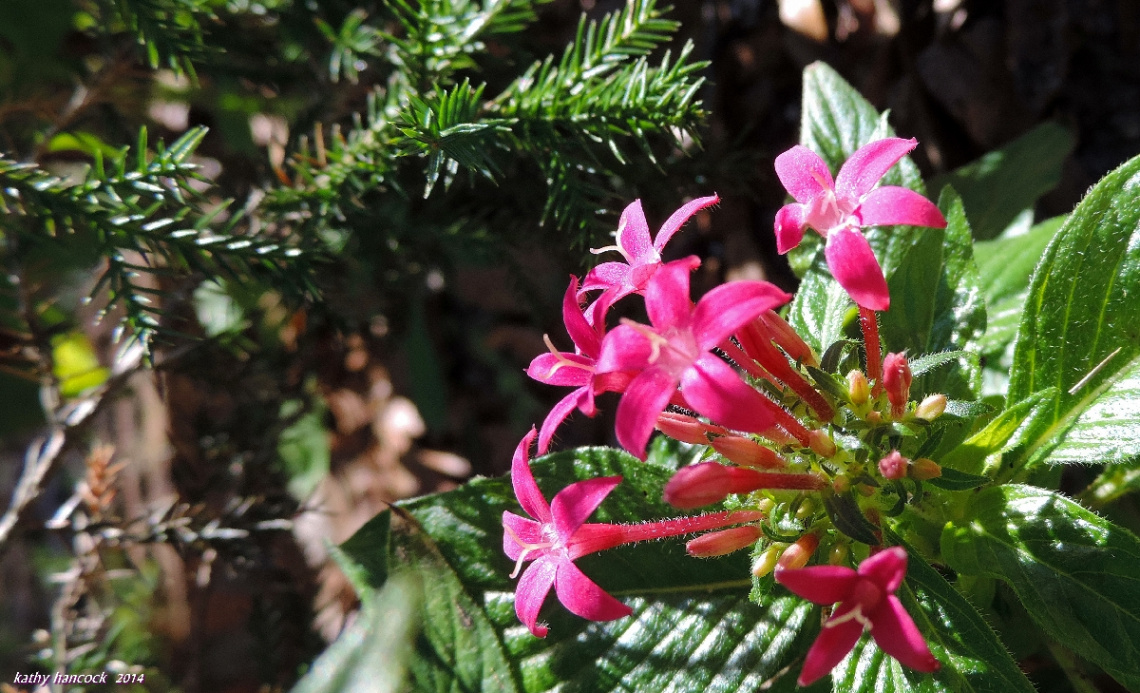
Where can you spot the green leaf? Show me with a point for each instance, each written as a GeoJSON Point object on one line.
{"type": "Point", "coordinates": [998, 186]}
{"type": "Point", "coordinates": [373, 653]}
{"type": "Point", "coordinates": [1005, 266]}
{"type": "Point", "coordinates": [954, 480]}
{"type": "Point", "coordinates": [1080, 330]}
{"type": "Point", "coordinates": [364, 556]}
{"type": "Point", "coordinates": [973, 658]}
{"type": "Point", "coordinates": [1075, 572]}
{"type": "Point", "coordinates": [693, 626]}
{"type": "Point", "coordinates": [821, 309]}
{"type": "Point", "coordinates": [836, 120]}
{"type": "Point", "coordinates": [970, 456]}
{"type": "Point", "coordinates": [1108, 431]}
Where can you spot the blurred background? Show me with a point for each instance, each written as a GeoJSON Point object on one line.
{"type": "Point", "coordinates": [169, 510]}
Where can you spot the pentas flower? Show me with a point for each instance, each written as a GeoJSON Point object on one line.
{"type": "Point", "coordinates": [677, 350]}
{"type": "Point", "coordinates": [866, 599]}
{"type": "Point", "coordinates": [576, 370]}
{"type": "Point", "coordinates": [839, 208]}
{"type": "Point", "coordinates": [642, 254]}
{"type": "Point", "coordinates": [558, 535]}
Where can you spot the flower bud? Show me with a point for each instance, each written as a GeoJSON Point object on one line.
{"type": "Point", "coordinates": [687, 429]}
{"type": "Point", "coordinates": [798, 554]}
{"type": "Point", "coordinates": [841, 483]}
{"type": "Point", "coordinates": [747, 452]}
{"type": "Point", "coordinates": [710, 482]}
{"type": "Point", "coordinates": [806, 509]}
{"type": "Point", "coordinates": [896, 381]}
{"type": "Point", "coordinates": [766, 561]}
{"type": "Point", "coordinates": [858, 389]}
{"type": "Point", "coordinates": [821, 443]}
{"type": "Point", "coordinates": [894, 465]}
{"type": "Point", "coordinates": [786, 337]}
{"type": "Point", "coordinates": [838, 553]}
{"type": "Point", "coordinates": [923, 469]}
{"type": "Point", "coordinates": [931, 407]}
{"type": "Point", "coordinates": [723, 542]}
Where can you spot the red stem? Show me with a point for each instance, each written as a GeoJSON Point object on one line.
{"type": "Point", "coordinates": [869, 321]}
{"type": "Point", "coordinates": [598, 537]}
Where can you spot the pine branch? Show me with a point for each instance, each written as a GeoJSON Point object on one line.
{"type": "Point", "coordinates": [170, 31]}
{"type": "Point", "coordinates": [147, 220]}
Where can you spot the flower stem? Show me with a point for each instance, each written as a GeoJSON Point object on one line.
{"type": "Point", "coordinates": [869, 321]}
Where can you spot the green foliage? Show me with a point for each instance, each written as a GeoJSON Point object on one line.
{"type": "Point", "coordinates": [1078, 334]}
{"type": "Point", "coordinates": [169, 31]}
{"type": "Point", "coordinates": [472, 637]}
{"type": "Point", "coordinates": [143, 217]}
{"type": "Point", "coordinates": [1074, 571]}
{"type": "Point", "coordinates": [998, 186]}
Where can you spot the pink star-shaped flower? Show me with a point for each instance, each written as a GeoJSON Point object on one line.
{"type": "Point", "coordinates": [866, 600]}
{"type": "Point", "coordinates": [677, 350]}
{"type": "Point", "coordinates": [558, 535]}
{"type": "Point", "coordinates": [586, 329]}
{"type": "Point", "coordinates": [839, 209]}
{"type": "Point", "coordinates": [642, 254]}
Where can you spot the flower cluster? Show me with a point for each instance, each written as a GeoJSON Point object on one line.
{"type": "Point", "coordinates": [810, 459]}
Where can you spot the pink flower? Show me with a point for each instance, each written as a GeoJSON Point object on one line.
{"type": "Point", "coordinates": [896, 381]}
{"type": "Point", "coordinates": [838, 209]}
{"type": "Point", "coordinates": [677, 350]}
{"type": "Point", "coordinates": [576, 370]}
{"type": "Point", "coordinates": [866, 600]}
{"type": "Point", "coordinates": [642, 255]}
{"type": "Point", "coordinates": [558, 535]}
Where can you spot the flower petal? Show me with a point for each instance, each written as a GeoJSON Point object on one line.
{"type": "Point", "coordinates": [715, 390]}
{"type": "Point", "coordinates": [637, 412]}
{"type": "Point", "coordinates": [791, 222]}
{"type": "Point", "coordinates": [667, 296]}
{"type": "Point", "coordinates": [526, 490]}
{"type": "Point", "coordinates": [728, 307]}
{"type": "Point", "coordinates": [558, 414]}
{"type": "Point", "coordinates": [525, 531]}
{"type": "Point", "coordinates": [853, 264]}
{"type": "Point", "coordinates": [822, 584]}
{"type": "Point", "coordinates": [895, 632]}
{"type": "Point", "coordinates": [886, 568]}
{"type": "Point", "coordinates": [892, 205]}
{"type": "Point", "coordinates": [633, 235]}
{"type": "Point", "coordinates": [678, 219]}
{"type": "Point", "coordinates": [625, 348]}
{"type": "Point", "coordinates": [610, 276]}
{"type": "Point", "coordinates": [803, 174]}
{"type": "Point", "coordinates": [869, 164]}
{"type": "Point", "coordinates": [553, 370]}
{"type": "Point", "coordinates": [832, 645]}
{"type": "Point", "coordinates": [580, 330]}
{"type": "Point", "coordinates": [584, 598]}
{"type": "Point", "coordinates": [531, 592]}
{"type": "Point", "coordinates": [573, 504]}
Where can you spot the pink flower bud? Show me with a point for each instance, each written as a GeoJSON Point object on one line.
{"type": "Point", "coordinates": [787, 338]}
{"type": "Point", "coordinates": [798, 554]}
{"type": "Point", "coordinates": [894, 465]}
{"type": "Point", "coordinates": [687, 429]}
{"type": "Point", "coordinates": [924, 469]}
{"type": "Point", "coordinates": [710, 482]}
{"type": "Point", "coordinates": [858, 389]}
{"type": "Point", "coordinates": [896, 381]}
{"type": "Point", "coordinates": [931, 407]}
{"type": "Point", "coordinates": [723, 542]}
{"type": "Point", "coordinates": [747, 452]}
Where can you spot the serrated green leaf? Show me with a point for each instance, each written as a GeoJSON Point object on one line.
{"type": "Point", "coordinates": [821, 309]}
{"type": "Point", "coordinates": [1080, 331]}
{"type": "Point", "coordinates": [693, 627]}
{"type": "Point", "coordinates": [1075, 572]}
{"type": "Point", "coordinates": [364, 557]}
{"type": "Point", "coordinates": [973, 659]}
{"type": "Point", "coordinates": [998, 186]}
{"type": "Point", "coordinates": [971, 455]}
